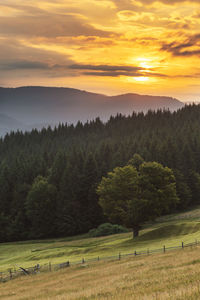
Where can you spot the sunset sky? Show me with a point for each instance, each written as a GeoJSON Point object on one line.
{"type": "Point", "coordinates": [106, 46]}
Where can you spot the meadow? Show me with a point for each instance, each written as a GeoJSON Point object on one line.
{"type": "Point", "coordinates": [170, 231]}
{"type": "Point", "coordinates": [173, 275]}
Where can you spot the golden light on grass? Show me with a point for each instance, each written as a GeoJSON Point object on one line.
{"type": "Point", "coordinates": [174, 275]}
{"type": "Point", "coordinates": [170, 275]}
{"type": "Point", "coordinates": [169, 232]}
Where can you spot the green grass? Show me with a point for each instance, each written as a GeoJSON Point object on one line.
{"type": "Point", "coordinates": [173, 275]}
{"type": "Point", "coordinates": [169, 231]}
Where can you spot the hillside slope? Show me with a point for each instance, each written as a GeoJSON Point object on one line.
{"type": "Point", "coordinates": [7, 124]}
{"type": "Point", "coordinates": [48, 105]}
{"type": "Point", "coordinates": [162, 276]}
{"type": "Point", "coordinates": [171, 275]}
{"type": "Point", "coordinates": [170, 231]}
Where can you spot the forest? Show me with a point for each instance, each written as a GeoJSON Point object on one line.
{"type": "Point", "coordinates": [49, 178]}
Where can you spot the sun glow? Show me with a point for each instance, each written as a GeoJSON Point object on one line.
{"type": "Point", "coordinates": [141, 79]}
{"type": "Point", "coordinates": [145, 65]}
{"type": "Point", "coordinates": [134, 45]}
{"type": "Point", "coordinates": [145, 62]}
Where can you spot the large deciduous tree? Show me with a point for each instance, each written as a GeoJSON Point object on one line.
{"type": "Point", "coordinates": [131, 196]}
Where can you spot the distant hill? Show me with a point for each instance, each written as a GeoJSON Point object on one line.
{"type": "Point", "coordinates": [38, 106]}
{"type": "Point", "coordinates": [7, 124]}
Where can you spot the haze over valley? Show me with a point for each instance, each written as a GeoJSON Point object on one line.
{"type": "Point", "coordinates": [36, 107]}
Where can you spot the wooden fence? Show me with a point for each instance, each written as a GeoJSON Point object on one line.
{"type": "Point", "coordinates": [13, 273]}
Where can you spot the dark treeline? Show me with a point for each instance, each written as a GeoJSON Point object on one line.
{"type": "Point", "coordinates": [48, 179]}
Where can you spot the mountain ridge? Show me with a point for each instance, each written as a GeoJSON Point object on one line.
{"type": "Point", "coordinates": [52, 105]}
{"type": "Point", "coordinates": [83, 91]}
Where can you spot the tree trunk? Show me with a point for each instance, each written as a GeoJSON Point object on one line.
{"type": "Point", "coordinates": [135, 231]}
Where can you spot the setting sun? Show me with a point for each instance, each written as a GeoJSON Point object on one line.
{"type": "Point", "coordinates": [145, 63]}
{"type": "Point", "coordinates": [69, 44]}
{"type": "Point", "coordinates": [141, 79]}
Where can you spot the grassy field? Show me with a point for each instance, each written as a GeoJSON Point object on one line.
{"type": "Point", "coordinates": [169, 231]}
{"type": "Point", "coordinates": [174, 275]}
{"type": "Point", "coordinates": [171, 275]}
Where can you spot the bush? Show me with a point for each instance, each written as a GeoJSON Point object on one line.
{"type": "Point", "coordinates": [107, 229]}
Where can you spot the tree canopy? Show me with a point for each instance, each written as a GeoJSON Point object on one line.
{"type": "Point", "coordinates": [41, 207]}
{"type": "Point", "coordinates": [131, 197]}
{"type": "Point", "coordinates": [73, 159]}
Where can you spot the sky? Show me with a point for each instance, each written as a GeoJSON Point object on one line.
{"type": "Point", "coordinates": [105, 46]}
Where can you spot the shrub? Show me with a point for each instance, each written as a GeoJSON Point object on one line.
{"type": "Point", "coordinates": [107, 229]}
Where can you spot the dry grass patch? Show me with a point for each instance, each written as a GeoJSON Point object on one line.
{"type": "Point", "coordinates": [174, 275]}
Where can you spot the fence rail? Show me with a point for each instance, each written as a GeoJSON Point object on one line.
{"type": "Point", "coordinates": [13, 273]}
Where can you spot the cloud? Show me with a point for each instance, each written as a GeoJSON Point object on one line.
{"type": "Point", "coordinates": [105, 67]}
{"type": "Point", "coordinates": [129, 74]}
{"type": "Point", "coordinates": [23, 64]}
{"type": "Point", "coordinates": [112, 74]}
{"type": "Point", "coordinates": [169, 2]}
{"type": "Point", "coordinates": [19, 61]}
{"type": "Point", "coordinates": [39, 67]}
{"type": "Point", "coordinates": [14, 9]}
{"type": "Point", "coordinates": [84, 42]}
{"type": "Point", "coordinates": [12, 50]}
{"type": "Point", "coordinates": [49, 25]}
{"type": "Point", "coordinates": [149, 5]}
{"type": "Point", "coordinates": [104, 39]}
{"type": "Point", "coordinates": [115, 71]}
{"type": "Point", "coordinates": [141, 17]}
{"type": "Point", "coordinates": [189, 47]}
{"type": "Point", "coordinates": [123, 4]}
{"type": "Point", "coordinates": [64, 70]}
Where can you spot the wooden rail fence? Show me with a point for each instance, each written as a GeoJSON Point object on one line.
{"type": "Point", "coordinates": [14, 273]}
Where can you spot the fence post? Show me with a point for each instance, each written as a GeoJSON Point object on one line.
{"type": "Point", "coordinates": [98, 258]}
{"type": "Point", "coordinates": [83, 261]}
{"type": "Point", "coordinates": [135, 253]}
{"type": "Point", "coordinates": [147, 251]}
{"type": "Point", "coordinates": [49, 266]}
{"type": "Point", "coordinates": [182, 245]}
{"type": "Point", "coordinates": [164, 249]}
{"type": "Point", "coordinates": [10, 272]}
{"type": "Point", "coordinates": [119, 255]}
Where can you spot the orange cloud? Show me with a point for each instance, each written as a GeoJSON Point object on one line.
{"type": "Point", "coordinates": [107, 46]}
